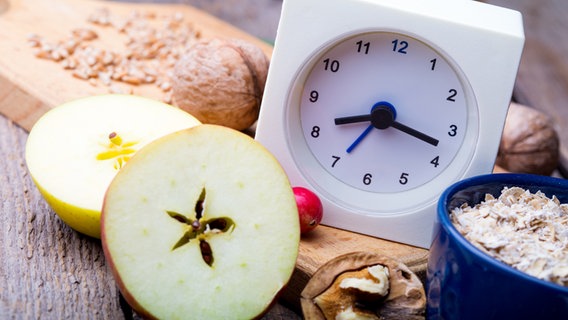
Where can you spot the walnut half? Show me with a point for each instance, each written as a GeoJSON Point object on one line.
{"type": "Point", "coordinates": [363, 285]}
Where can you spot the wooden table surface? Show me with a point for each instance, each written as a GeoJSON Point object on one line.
{"type": "Point", "coordinates": [48, 271]}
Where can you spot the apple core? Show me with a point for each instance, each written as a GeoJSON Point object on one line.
{"type": "Point", "coordinates": [118, 150]}
{"type": "Point", "coordinates": [200, 228]}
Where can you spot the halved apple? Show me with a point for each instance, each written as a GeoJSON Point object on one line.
{"type": "Point", "coordinates": [201, 224]}
{"type": "Point", "coordinates": [75, 150]}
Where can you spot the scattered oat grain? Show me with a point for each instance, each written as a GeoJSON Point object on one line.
{"type": "Point", "coordinates": [153, 45]}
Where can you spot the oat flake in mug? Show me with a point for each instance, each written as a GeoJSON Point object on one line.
{"type": "Point", "coordinates": [525, 230]}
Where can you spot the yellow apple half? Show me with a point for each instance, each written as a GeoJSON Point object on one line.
{"type": "Point", "coordinates": [75, 150]}
{"type": "Point", "coordinates": [201, 224]}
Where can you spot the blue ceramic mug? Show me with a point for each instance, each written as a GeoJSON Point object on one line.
{"type": "Point", "coordinates": [465, 283]}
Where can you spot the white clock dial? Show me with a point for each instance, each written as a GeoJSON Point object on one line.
{"type": "Point", "coordinates": [383, 112]}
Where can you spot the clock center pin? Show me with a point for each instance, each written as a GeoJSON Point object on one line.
{"type": "Point", "coordinates": [383, 115]}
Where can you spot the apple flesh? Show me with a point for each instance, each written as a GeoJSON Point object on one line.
{"type": "Point", "coordinates": [310, 209]}
{"type": "Point", "coordinates": [201, 224]}
{"type": "Point", "coordinates": [75, 150]}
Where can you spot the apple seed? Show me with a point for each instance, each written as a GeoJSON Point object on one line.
{"type": "Point", "coordinates": [220, 225]}
{"type": "Point", "coordinates": [199, 205]}
{"type": "Point", "coordinates": [206, 252]}
{"type": "Point", "coordinates": [179, 217]}
{"type": "Point", "coordinates": [115, 138]}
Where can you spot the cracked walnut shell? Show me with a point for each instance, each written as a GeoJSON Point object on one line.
{"type": "Point", "coordinates": [221, 82]}
{"type": "Point", "coordinates": [363, 285]}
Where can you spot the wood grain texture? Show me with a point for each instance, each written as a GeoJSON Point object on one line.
{"type": "Point", "coordinates": [47, 270]}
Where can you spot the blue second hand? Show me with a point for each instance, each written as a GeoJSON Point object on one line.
{"type": "Point", "coordinates": [360, 138]}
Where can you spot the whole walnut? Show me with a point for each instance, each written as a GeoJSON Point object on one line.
{"type": "Point", "coordinates": [529, 143]}
{"type": "Point", "coordinates": [221, 81]}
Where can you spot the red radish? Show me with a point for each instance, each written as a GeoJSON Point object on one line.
{"type": "Point", "coordinates": [310, 209]}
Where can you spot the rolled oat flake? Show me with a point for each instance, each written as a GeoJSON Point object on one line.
{"type": "Point", "coordinates": [525, 230]}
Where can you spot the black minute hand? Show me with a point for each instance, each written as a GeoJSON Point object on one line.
{"type": "Point", "coordinates": [417, 134]}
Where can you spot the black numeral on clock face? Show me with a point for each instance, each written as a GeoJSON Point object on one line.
{"type": "Point", "coordinates": [335, 160]}
{"type": "Point", "coordinates": [314, 96]}
{"type": "Point", "coordinates": [433, 64]}
{"type": "Point", "coordinates": [331, 65]}
{"type": "Point", "coordinates": [367, 179]}
{"type": "Point", "coordinates": [452, 97]}
{"type": "Point", "coordinates": [403, 178]}
{"type": "Point", "coordinates": [435, 162]}
{"type": "Point", "coordinates": [453, 130]}
{"type": "Point", "coordinates": [363, 47]}
{"type": "Point", "coordinates": [315, 132]}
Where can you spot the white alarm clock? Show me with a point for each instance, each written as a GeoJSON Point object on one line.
{"type": "Point", "coordinates": [378, 106]}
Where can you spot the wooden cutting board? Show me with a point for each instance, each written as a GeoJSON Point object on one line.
{"type": "Point", "coordinates": [30, 86]}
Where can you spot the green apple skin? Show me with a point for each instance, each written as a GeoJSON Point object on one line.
{"type": "Point", "coordinates": [67, 151]}
{"type": "Point", "coordinates": [244, 182]}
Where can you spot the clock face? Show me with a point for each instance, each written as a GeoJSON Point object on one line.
{"type": "Point", "coordinates": [381, 112]}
